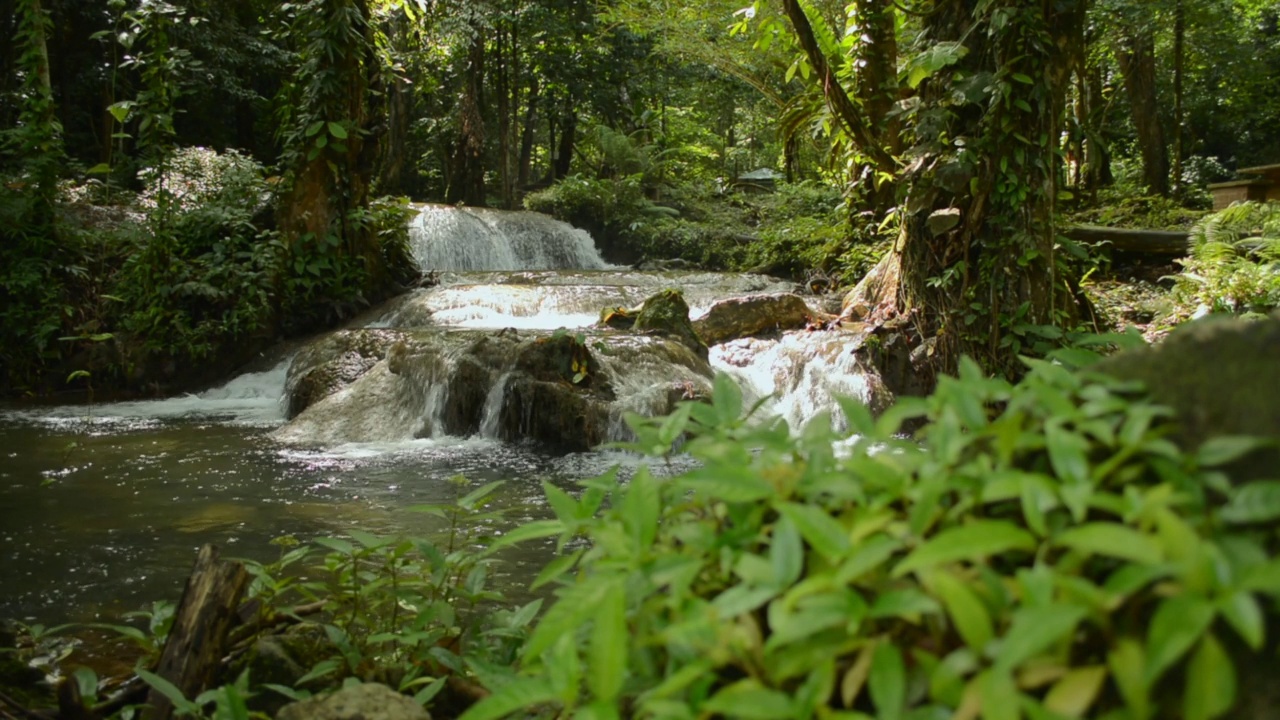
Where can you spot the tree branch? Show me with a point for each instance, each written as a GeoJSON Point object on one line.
{"type": "Point", "coordinates": [837, 99]}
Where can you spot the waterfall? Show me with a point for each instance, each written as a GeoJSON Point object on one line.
{"type": "Point", "coordinates": [802, 374]}
{"type": "Point", "coordinates": [468, 239]}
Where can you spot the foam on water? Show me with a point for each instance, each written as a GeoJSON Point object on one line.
{"type": "Point", "coordinates": [252, 399]}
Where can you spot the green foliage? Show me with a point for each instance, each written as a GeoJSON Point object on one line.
{"type": "Point", "coordinates": [408, 612]}
{"type": "Point", "coordinates": [1235, 260]}
{"type": "Point", "coordinates": [1039, 550]}
{"type": "Point", "coordinates": [201, 271]}
{"type": "Point", "coordinates": [1124, 209]}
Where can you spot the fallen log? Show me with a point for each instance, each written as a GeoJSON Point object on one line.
{"type": "Point", "coordinates": [1153, 242]}
{"type": "Point", "coordinates": [201, 626]}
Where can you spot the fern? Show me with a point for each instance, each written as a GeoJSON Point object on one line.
{"type": "Point", "coordinates": [1235, 260]}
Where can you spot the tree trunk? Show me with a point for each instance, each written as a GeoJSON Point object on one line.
{"type": "Point", "coordinates": [568, 140]}
{"type": "Point", "coordinates": [198, 638]}
{"type": "Point", "coordinates": [986, 283]}
{"type": "Point", "coordinates": [1179, 61]}
{"type": "Point", "coordinates": [466, 181]}
{"type": "Point", "coordinates": [1137, 60]}
{"type": "Point", "coordinates": [527, 130]}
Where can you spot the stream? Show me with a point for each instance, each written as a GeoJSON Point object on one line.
{"type": "Point", "coordinates": [102, 507]}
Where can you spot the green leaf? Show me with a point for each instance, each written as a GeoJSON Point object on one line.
{"type": "Point", "coordinates": [827, 536]}
{"type": "Point", "coordinates": [750, 700]}
{"type": "Point", "coordinates": [554, 569]}
{"type": "Point", "coordinates": [607, 652]}
{"type": "Point", "coordinates": [1211, 682]}
{"type": "Point", "coordinates": [1076, 692]}
{"type": "Point", "coordinates": [1258, 501]}
{"type": "Point", "coordinates": [1112, 540]}
{"type": "Point", "coordinates": [786, 553]}
{"type": "Point", "coordinates": [729, 484]}
{"type": "Point", "coordinates": [314, 128]}
{"type": "Point", "coordinates": [1128, 664]}
{"type": "Point", "coordinates": [907, 603]}
{"type": "Point", "coordinates": [1224, 449]}
{"type": "Point", "coordinates": [726, 398]}
{"type": "Point", "coordinates": [99, 169]}
{"type": "Point", "coordinates": [1023, 78]}
{"type": "Point", "coordinates": [1067, 453]}
{"type": "Point", "coordinates": [888, 681]}
{"type": "Point", "coordinates": [575, 606]}
{"type": "Point", "coordinates": [336, 130]}
{"type": "Point", "coordinates": [967, 612]}
{"type": "Point", "coordinates": [171, 692]}
{"type": "Point", "coordinates": [521, 694]}
{"type": "Point", "coordinates": [1177, 624]}
{"type": "Point", "coordinates": [1243, 613]}
{"type": "Point", "coordinates": [529, 531]}
{"type": "Point", "coordinates": [475, 498]}
{"type": "Point", "coordinates": [1000, 695]}
{"type": "Point", "coordinates": [1033, 631]}
{"type": "Point", "coordinates": [976, 540]}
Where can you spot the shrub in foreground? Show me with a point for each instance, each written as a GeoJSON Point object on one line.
{"type": "Point", "coordinates": [1057, 558]}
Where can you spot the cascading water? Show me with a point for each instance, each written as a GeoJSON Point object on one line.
{"type": "Point", "coordinates": [99, 518]}
{"type": "Point", "coordinates": [462, 238]}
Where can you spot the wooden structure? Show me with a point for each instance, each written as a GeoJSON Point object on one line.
{"type": "Point", "coordinates": [763, 180]}
{"type": "Point", "coordinates": [1265, 185]}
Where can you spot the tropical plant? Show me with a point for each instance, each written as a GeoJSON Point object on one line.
{"type": "Point", "coordinates": [1235, 260]}
{"type": "Point", "coordinates": [1040, 550]}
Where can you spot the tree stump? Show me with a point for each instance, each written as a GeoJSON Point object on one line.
{"type": "Point", "coordinates": [198, 640]}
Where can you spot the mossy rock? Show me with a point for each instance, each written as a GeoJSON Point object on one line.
{"type": "Point", "coordinates": [1220, 377]}
{"type": "Point", "coordinates": [668, 313]}
{"type": "Point", "coordinates": [556, 414]}
{"type": "Point", "coordinates": [561, 358]}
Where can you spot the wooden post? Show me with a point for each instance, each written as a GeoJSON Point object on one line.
{"type": "Point", "coordinates": [201, 625]}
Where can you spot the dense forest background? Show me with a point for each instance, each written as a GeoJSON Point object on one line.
{"type": "Point", "coordinates": [186, 182]}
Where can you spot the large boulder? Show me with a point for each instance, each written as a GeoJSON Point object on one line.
{"type": "Point", "coordinates": [332, 363]}
{"type": "Point", "coordinates": [667, 313]}
{"type": "Point", "coordinates": [369, 701]}
{"type": "Point", "coordinates": [751, 316]}
{"type": "Point", "coordinates": [1220, 377]}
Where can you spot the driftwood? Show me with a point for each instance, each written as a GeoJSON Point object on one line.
{"type": "Point", "coordinates": [1152, 242]}
{"type": "Point", "coordinates": [204, 619]}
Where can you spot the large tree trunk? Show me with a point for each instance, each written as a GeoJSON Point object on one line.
{"type": "Point", "coordinates": [331, 184]}
{"type": "Point", "coordinates": [1137, 59]}
{"type": "Point", "coordinates": [977, 273]}
{"type": "Point", "coordinates": [466, 180]}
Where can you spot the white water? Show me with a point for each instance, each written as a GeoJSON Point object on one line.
{"type": "Point", "coordinates": [449, 238]}
{"type": "Point", "coordinates": [253, 399]}
{"type": "Point", "coordinates": [802, 374]}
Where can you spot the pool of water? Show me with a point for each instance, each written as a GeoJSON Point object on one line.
{"type": "Point", "coordinates": [101, 514]}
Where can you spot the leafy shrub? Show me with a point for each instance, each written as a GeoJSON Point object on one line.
{"type": "Point", "coordinates": [1127, 210]}
{"type": "Point", "coordinates": [202, 270]}
{"type": "Point", "coordinates": [1235, 260]}
{"type": "Point", "coordinates": [1042, 550]}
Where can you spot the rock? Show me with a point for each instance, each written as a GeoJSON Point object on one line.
{"type": "Point", "coordinates": [941, 221]}
{"type": "Point", "coordinates": [668, 313]}
{"type": "Point", "coordinates": [1219, 376]}
{"type": "Point", "coordinates": [618, 318]}
{"type": "Point", "coordinates": [370, 701]}
{"type": "Point", "coordinates": [753, 315]}
{"type": "Point", "coordinates": [661, 265]}
{"type": "Point", "coordinates": [283, 659]}
{"type": "Point", "coordinates": [336, 361]}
